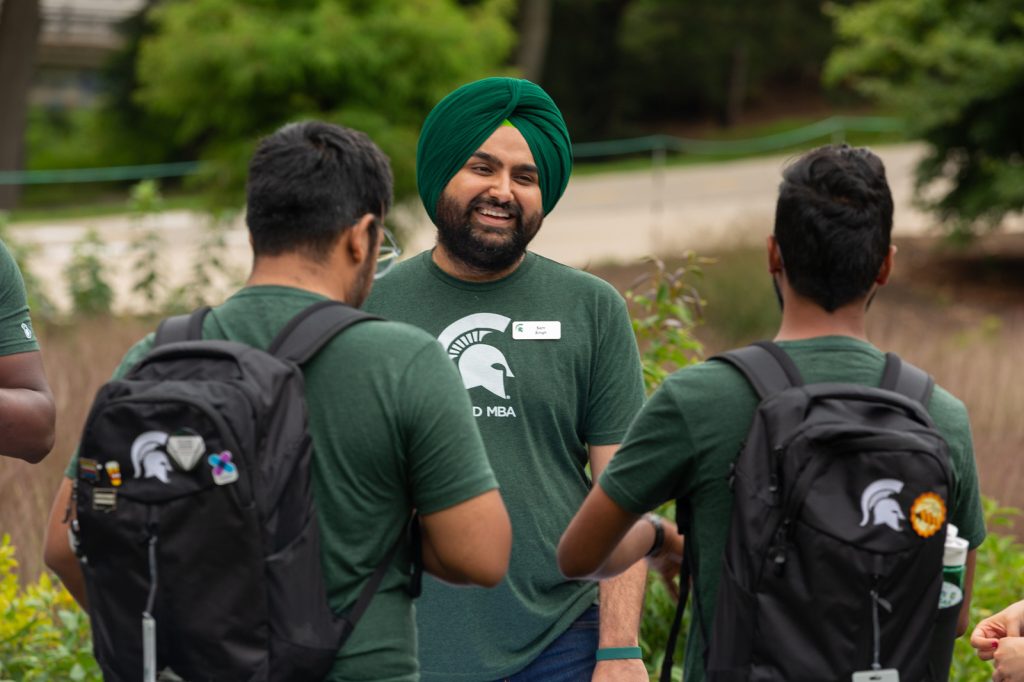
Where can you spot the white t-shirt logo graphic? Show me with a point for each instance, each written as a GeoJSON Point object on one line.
{"type": "Point", "coordinates": [27, 330]}
{"type": "Point", "coordinates": [149, 458]}
{"type": "Point", "coordinates": [878, 506]}
{"type": "Point", "coordinates": [479, 363]}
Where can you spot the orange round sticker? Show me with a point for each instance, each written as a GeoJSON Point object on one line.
{"type": "Point", "coordinates": [927, 514]}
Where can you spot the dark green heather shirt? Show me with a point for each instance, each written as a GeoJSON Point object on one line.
{"type": "Point", "coordinates": [551, 365]}
{"type": "Point", "coordinates": [687, 435]}
{"type": "Point", "coordinates": [392, 430]}
{"type": "Point", "coordinates": [16, 334]}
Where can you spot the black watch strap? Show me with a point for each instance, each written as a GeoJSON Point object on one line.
{"type": "Point", "coordinates": [659, 534]}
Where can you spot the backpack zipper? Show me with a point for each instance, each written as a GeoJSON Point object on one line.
{"type": "Point", "coordinates": [877, 601]}
{"type": "Point", "coordinates": [148, 622]}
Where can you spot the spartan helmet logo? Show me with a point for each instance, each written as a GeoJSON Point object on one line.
{"type": "Point", "coordinates": [479, 363]}
{"type": "Point", "coordinates": [877, 504]}
{"type": "Point", "coordinates": [149, 457]}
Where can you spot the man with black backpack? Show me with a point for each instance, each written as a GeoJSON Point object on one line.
{"type": "Point", "coordinates": [815, 477]}
{"type": "Point", "coordinates": [190, 501]}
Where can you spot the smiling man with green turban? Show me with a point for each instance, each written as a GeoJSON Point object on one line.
{"type": "Point", "coordinates": [551, 365]}
{"type": "Point", "coordinates": [463, 120]}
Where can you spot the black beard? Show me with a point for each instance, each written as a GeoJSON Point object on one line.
{"type": "Point", "coordinates": [455, 233]}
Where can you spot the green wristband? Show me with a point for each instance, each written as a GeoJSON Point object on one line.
{"type": "Point", "coordinates": [615, 653]}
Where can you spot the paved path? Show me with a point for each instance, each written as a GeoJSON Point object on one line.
{"type": "Point", "coordinates": [602, 218]}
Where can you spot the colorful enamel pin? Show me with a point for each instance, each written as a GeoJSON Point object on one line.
{"type": "Point", "coordinates": [88, 469]}
{"type": "Point", "coordinates": [114, 471]}
{"type": "Point", "coordinates": [224, 471]}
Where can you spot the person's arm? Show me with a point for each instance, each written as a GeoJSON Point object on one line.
{"type": "Point", "coordinates": [468, 543]}
{"type": "Point", "coordinates": [1007, 623]}
{"type": "Point", "coordinates": [57, 552]}
{"type": "Point", "coordinates": [603, 540]}
{"type": "Point", "coordinates": [27, 411]}
{"type": "Point", "coordinates": [622, 601]}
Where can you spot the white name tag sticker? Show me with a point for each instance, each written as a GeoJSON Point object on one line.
{"type": "Point", "coordinates": [536, 331]}
{"type": "Point", "coordinates": [887, 675]}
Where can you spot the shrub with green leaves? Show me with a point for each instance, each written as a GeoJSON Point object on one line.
{"type": "Point", "coordinates": [43, 634]}
{"type": "Point", "coordinates": [91, 296]}
{"type": "Point", "coordinates": [250, 67]}
{"type": "Point", "coordinates": [146, 244]}
{"type": "Point", "coordinates": [666, 309]}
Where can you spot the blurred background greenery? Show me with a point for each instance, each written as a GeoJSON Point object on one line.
{"type": "Point", "coordinates": [95, 83]}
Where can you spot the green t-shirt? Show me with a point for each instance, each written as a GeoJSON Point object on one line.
{"type": "Point", "coordinates": [16, 335]}
{"type": "Point", "coordinates": [551, 364]}
{"type": "Point", "coordinates": [391, 430]}
{"type": "Point", "coordinates": [685, 438]}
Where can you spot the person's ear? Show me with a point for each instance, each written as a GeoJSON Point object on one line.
{"type": "Point", "coordinates": [774, 255]}
{"type": "Point", "coordinates": [885, 271]}
{"type": "Point", "coordinates": [360, 243]}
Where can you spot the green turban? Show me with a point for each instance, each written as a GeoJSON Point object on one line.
{"type": "Point", "coordinates": [463, 121]}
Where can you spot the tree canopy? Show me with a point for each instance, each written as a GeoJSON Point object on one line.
{"type": "Point", "coordinates": [228, 72]}
{"type": "Point", "coordinates": [617, 67]}
{"type": "Point", "coordinates": [955, 70]}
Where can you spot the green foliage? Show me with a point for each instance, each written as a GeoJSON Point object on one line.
{"type": "Point", "coordinates": [955, 70]}
{"type": "Point", "coordinates": [250, 67]}
{"type": "Point", "coordinates": [90, 294]}
{"type": "Point", "coordinates": [659, 610]}
{"type": "Point", "coordinates": [664, 315]}
{"type": "Point", "coordinates": [146, 244]}
{"type": "Point", "coordinates": [1000, 563]}
{"type": "Point", "coordinates": [43, 633]}
{"type": "Point", "coordinates": [39, 304]}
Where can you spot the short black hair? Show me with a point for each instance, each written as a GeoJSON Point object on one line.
{"type": "Point", "coordinates": [310, 181]}
{"type": "Point", "coordinates": [833, 224]}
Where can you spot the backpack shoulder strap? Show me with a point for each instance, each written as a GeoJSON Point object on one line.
{"type": "Point", "coordinates": [907, 380]}
{"type": "Point", "coordinates": [766, 366]}
{"type": "Point", "coordinates": [350, 619]}
{"type": "Point", "coordinates": [306, 333]}
{"type": "Point", "coordinates": [188, 327]}
{"type": "Point", "coordinates": [684, 518]}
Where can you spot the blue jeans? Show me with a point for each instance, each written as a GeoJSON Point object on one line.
{"type": "Point", "coordinates": [570, 658]}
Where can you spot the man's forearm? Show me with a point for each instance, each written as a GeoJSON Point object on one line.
{"type": "Point", "coordinates": [622, 603]}
{"type": "Point", "coordinates": [26, 423]}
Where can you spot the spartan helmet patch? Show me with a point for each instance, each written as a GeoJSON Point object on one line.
{"type": "Point", "coordinates": [149, 457]}
{"type": "Point", "coordinates": [480, 363]}
{"type": "Point", "coordinates": [878, 504]}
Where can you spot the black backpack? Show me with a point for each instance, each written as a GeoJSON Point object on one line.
{"type": "Point", "coordinates": [833, 563]}
{"type": "Point", "coordinates": [195, 515]}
